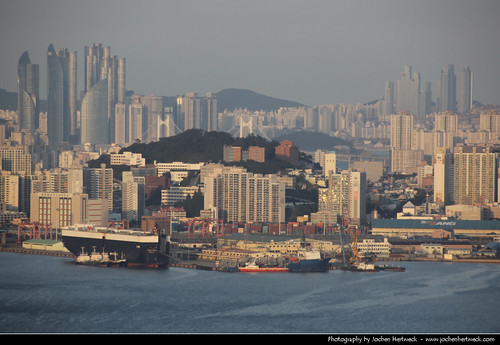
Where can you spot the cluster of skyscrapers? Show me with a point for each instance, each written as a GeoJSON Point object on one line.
{"type": "Point", "coordinates": [106, 112]}
{"type": "Point", "coordinates": [411, 95]}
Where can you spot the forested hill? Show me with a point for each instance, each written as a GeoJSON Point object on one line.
{"type": "Point", "coordinates": [196, 145]}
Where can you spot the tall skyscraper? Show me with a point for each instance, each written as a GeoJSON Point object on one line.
{"type": "Point", "coordinates": [212, 114]}
{"type": "Point", "coordinates": [100, 67]}
{"type": "Point", "coordinates": [465, 90]}
{"type": "Point", "coordinates": [425, 101]}
{"type": "Point", "coordinates": [61, 94]}
{"type": "Point", "coordinates": [447, 89]}
{"type": "Point", "coordinates": [197, 112]}
{"type": "Point", "coordinates": [388, 103]}
{"type": "Point", "coordinates": [407, 91]}
{"type": "Point", "coordinates": [94, 115]}
{"type": "Point", "coordinates": [27, 93]}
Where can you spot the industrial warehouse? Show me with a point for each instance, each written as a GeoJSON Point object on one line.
{"type": "Point", "coordinates": [408, 228]}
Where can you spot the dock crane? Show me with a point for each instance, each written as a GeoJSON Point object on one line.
{"type": "Point", "coordinates": [345, 240]}
{"type": "Point", "coordinates": [353, 262]}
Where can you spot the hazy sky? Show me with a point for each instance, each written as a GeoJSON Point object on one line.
{"type": "Point", "coordinates": [309, 51]}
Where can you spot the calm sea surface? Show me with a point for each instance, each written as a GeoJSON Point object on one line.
{"type": "Point", "coordinates": [45, 294]}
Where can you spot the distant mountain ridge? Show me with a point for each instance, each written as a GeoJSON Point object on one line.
{"type": "Point", "coordinates": [230, 99]}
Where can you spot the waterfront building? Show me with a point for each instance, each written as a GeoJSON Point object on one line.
{"type": "Point", "coordinates": [372, 246]}
{"type": "Point", "coordinates": [403, 228]}
{"type": "Point", "coordinates": [27, 93]}
{"type": "Point", "coordinates": [58, 209]}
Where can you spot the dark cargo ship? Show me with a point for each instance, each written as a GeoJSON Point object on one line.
{"type": "Point", "coordinates": [106, 246]}
{"type": "Point", "coordinates": [308, 261]}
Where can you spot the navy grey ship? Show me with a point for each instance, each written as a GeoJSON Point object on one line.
{"type": "Point", "coordinates": [125, 247]}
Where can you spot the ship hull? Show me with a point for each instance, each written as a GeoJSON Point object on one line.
{"type": "Point", "coordinates": [144, 251]}
{"type": "Point", "coordinates": [263, 269]}
{"type": "Point", "coordinates": [309, 265]}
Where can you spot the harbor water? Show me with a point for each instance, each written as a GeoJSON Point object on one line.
{"type": "Point", "coordinates": [46, 294]}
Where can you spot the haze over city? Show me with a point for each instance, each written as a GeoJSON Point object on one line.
{"type": "Point", "coordinates": [312, 52]}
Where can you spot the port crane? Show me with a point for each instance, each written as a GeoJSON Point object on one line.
{"type": "Point", "coordinates": [345, 240]}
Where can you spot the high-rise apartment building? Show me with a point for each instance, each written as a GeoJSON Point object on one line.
{"type": "Point", "coordinates": [94, 115]}
{"type": "Point", "coordinates": [447, 90]}
{"type": "Point", "coordinates": [9, 191]}
{"type": "Point", "coordinates": [133, 196]}
{"type": "Point", "coordinates": [404, 158]}
{"type": "Point", "coordinates": [237, 195]}
{"type": "Point", "coordinates": [474, 175]}
{"type": "Point", "coordinates": [402, 131]}
{"type": "Point", "coordinates": [15, 159]}
{"type": "Point", "coordinates": [465, 85]}
{"type": "Point", "coordinates": [344, 196]}
{"type": "Point", "coordinates": [27, 93]}
{"type": "Point", "coordinates": [61, 95]}
{"type": "Point", "coordinates": [443, 176]}
{"type": "Point", "coordinates": [98, 184]}
{"type": "Point", "coordinates": [490, 123]}
{"type": "Point", "coordinates": [57, 181]}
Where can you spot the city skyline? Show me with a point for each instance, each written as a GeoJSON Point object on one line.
{"type": "Point", "coordinates": [342, 52]}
